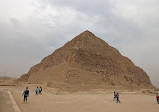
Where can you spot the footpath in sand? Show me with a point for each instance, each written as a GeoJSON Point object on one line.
{"type": "Point", "coordinates": [48, 102]}
{"type": "Point", "coordinates": [5, 103]}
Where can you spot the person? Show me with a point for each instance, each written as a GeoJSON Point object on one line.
{"type": "Point", "coordinates": [157, 98]}
{"type": "Point", "coordinates": [114, 96]}
{"type": "Point", "coordinates": [36, 90]}
{"type": "Point", "coordinates": [117, 97]}
{"type": "Point", "coordinates": [40, 89]}
{"type": "Point", "coordinates": [26, 94]}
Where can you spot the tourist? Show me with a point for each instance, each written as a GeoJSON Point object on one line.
{"type": "Point", "coordinates": [117, 97]}
{"type": "Point", "coordinates": [157, 98]}
{"type": "Point", "coordinates": [114, 96]}
{"type": "Point", "coordinates": [40, 89]}
{"type": "Point", "coordinates": [36, 90]}
{"type": "Point", "coordinates": [26, 94]}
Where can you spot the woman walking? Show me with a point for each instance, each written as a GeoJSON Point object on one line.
{"type": "Point", "coordinates": [36, 90]}
{"type": "Point", "coordinates": [117, 98]}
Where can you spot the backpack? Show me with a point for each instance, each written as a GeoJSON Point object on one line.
{"type": "Point", "coordinates": [26, 92]}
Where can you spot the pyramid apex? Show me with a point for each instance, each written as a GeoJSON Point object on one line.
{"type": "Point", "coordinates": [87, 32]}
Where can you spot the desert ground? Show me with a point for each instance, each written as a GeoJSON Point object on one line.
{"type": "Point", "coordinates": [51, 101]}
{"type": "Point", "coordinates": [5, 103]}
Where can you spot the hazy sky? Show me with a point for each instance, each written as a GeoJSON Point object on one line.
{"type": "Point", "coordinates": [33, 29]}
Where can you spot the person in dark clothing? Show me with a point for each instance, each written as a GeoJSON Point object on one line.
{"type": "Point", "coordinates": [40, 89]}
{"type": "Point", "coordinates": [117, 97]}
{"type": "Point", "coordinates": [157, 98]}
{"type": "Point", "coordinates": [26, 94]}
{"type": "Point", "coordinates": [114, 96]}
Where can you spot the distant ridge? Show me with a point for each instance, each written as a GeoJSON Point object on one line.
{"type": "Point", "coordinates": [87, 62]}
{"type": "Point", "coordinates": [7, 81]}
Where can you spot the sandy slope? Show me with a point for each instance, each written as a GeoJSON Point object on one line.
{"type": "Point", "coordinates": [48, 102]}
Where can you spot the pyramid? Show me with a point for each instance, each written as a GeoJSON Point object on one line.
{"type": "Point", "coordinates": [87, 62]}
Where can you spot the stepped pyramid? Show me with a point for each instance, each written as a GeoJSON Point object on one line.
{"type": "Point", "coordinates": [87, 62]}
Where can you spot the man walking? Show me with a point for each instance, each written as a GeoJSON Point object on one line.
{"type": "Point", "coordinates": [117, 97]}
{"type": "Point", "coordinates": [26, 94]}
{"type": "Point", "coordinates": [40, 90]}
{"type": "Point", "coordinates": [114, 96]}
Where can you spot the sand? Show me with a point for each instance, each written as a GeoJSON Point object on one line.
{"type": "Point", "coordinates": [49, 102]}
{"type": "Point", "coordinates": [5, 103]}
{"type": "Point", "coordinates": [7, 80]}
